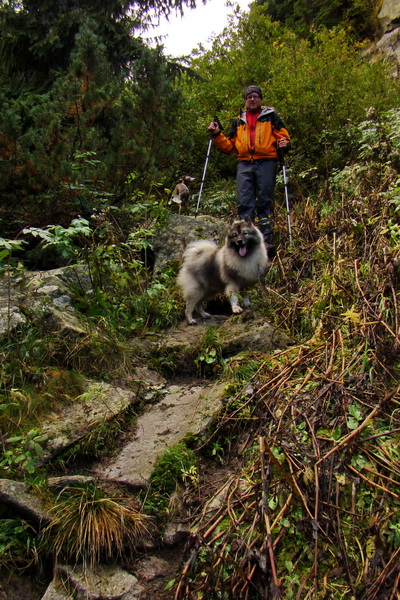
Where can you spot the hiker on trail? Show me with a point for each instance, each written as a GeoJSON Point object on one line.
{"type": "Point", "coordinates": [255, 135]}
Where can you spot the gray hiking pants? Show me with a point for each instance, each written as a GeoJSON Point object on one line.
{"type": "Point", "coordinates": [255, 184]}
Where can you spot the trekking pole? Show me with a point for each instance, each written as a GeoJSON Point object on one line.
{"type": "Point", "coordinates": [283, 165]}
{"type": "Point", "coordinates": [205, 166]}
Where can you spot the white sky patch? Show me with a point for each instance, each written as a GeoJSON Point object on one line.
{"type": "Point", "coordinates": [183, 34]}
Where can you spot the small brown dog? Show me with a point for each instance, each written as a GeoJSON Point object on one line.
{"type": "Point", "coordinates": [181, 193]}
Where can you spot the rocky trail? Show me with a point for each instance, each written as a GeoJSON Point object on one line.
{"type": "Point", "coordinates": [166, 411]}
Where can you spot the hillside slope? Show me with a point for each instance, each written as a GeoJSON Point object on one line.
{"type": "Point", "coordinates": [294, 490]}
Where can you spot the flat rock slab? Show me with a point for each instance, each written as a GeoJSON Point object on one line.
{"type": "Point", "coordinates": [106, 583]}
{"type": "Point", "coordinates": [101, 402]}
{"type": "Point", "coordinates": [237, 333]}
{"type": "Point", "coordinates": [184, 410]}
{"type": "Point", "coordinates": [18, 496]}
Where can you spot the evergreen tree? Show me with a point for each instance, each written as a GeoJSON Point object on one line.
{"type": "Point", "coordinates": [84, 103]}
{"type": "Point", "coordinates": [37, 37]}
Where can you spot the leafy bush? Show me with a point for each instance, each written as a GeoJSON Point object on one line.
{"type": "Point", "coordinates": [209, 360]}
{"type": "Point", "coordinates": [320, 87]}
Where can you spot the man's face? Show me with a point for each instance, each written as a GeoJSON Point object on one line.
{"type": "Point", "coordinates": [253, 102]}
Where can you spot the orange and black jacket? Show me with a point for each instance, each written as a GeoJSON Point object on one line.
{"type": "Point", "coordinates": [269, 128]}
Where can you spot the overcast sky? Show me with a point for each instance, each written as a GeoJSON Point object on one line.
{"type": "Point", "coordinates": [196, 26]}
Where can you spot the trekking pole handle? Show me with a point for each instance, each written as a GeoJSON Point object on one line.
{"type": "Point", "coordinates": [217, 121]}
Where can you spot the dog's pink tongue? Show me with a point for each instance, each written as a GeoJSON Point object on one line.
{"type": "Point", "coordinates": [242, 250]}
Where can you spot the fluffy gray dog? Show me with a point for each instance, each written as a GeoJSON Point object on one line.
{"type": "Point", "coordinates": [208, 270]}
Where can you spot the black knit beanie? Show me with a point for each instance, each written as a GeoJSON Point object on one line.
{"type": "Point", "coordinates": [252, 89]}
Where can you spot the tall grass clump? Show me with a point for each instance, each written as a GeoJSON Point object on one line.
{"type": "Point", "coordinates": [88, 527]}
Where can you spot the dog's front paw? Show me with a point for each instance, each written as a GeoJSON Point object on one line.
{"type": "Point", "coordinates": [236, 309]}
{"type": "Point", "coordinates": [192, 321]}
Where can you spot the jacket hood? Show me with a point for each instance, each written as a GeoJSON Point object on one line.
{"type": "Point", "coordinates": [264, 111]}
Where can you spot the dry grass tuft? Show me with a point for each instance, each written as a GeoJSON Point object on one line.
{"type": "Point", "coordinates": [89, 527]}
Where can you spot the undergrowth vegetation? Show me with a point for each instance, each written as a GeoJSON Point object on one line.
{"type": "Point", "coordinates": [175, 468]}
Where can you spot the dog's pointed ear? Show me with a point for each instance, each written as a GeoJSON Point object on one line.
{"type": "Point", "coordinates": [247, 220]}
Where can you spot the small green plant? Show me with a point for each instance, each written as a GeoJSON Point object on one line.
{"type": "Point", "coordinates": [7, 247]}
{"type": "Point", "coordinates": [90, 527]}
{"type": "Point", "coordinates": [23, 453]}
{"type": "Point", "coordinates": [17, 544]}
{"type": "Point", "coordinates": [61, 239]}
{"type": "Point", "coordinates": [209, 359]}
{"type": "Point", "coordinates": [241, 368]}
{"type": "Point", "coordinates": [392, 230]}
{"type": "Point", "coordinates": [393, 533]}
{"type": "Point", "coordinates": [355, 416]}
{"type": "Point", "coordinates": [157, 308]}
{"type": "Point", "coordinates": [176, 466]}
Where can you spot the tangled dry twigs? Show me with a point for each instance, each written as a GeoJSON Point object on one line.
{"type": "Point", "coordinates": [314, 500]}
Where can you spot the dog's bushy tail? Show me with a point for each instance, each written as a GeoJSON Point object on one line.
{"type": "Point", "coordinates": [202, 248]}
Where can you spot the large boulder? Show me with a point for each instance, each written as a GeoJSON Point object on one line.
{"type": "Point", "coordinates": [389, 45]}
{"type": "Point", "coordinates": [389, 15]}
{"type": "Point", "coordinates": [44, 293]}
{"type": "Point", "coordinates": [389, 21]}
{"type": "Point", "coordinates": [170, 243]}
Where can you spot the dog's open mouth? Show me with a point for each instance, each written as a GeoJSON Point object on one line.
{"type": "Point", "coordinates": [243, 250]}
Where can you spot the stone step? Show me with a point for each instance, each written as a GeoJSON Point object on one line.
{"type": "Point", "coordinates": [183, 410]}
{"type": "Point", "coordinates": [105, 583]}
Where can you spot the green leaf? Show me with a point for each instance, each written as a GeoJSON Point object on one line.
{"type": "Point", "coordinates": [20, 458]}
{"type": "Point", "coordinates": [352, 423]}
{"type": "Point", "coordinates": [31, 434]}
{"type": "Point", "coordinates": [38, 449]}
{"type": "Point", "coordinates": [169, 585]}
{"type": "Point", "coordinates": [289, 565]}
{"type": "Point", "coordinates": [355, 411]}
